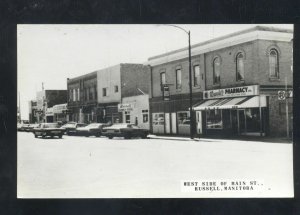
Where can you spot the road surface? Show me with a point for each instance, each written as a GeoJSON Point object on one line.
{"type": "Point", "coordinates": [90, 167]}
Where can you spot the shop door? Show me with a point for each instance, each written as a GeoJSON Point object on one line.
{"type": "Point", "coordinates": [242, 121]}
{"type": "Point", "coordinates": [167, 123]}
{"type": "Point", "coordinates": [199, 122]}
{"type": "Point", "coordinates": [174, 123]}
{"type": "Point", "coordinates": [234, 121]}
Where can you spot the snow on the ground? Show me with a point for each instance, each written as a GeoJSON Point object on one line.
{"type": "Point", "coordinates": [81, 167]}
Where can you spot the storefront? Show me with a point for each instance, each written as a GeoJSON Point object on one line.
{"type": "Point", "coordinates": [232, 111]}
{"type": "Point", "coordinates": [172, 116]}
{"type": "Point", "coordinates": [135, 110]}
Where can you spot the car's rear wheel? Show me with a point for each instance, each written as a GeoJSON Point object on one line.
{"type": "Point", "coordinates": [110, 137]}
{"type": "Point", "coordinates": [144, 136]}
{"type": "Point", "coordinates": [60, 136]}
{"type": "Point", "coordinates": [36, 136]}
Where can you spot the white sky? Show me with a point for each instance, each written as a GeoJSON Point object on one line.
{"type": "Point", "coordinates": [53, 53]}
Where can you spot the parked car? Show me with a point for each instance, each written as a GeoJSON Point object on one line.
{"type": "Point", "coordinates": [22, 127]}
{"type": "Point", "coordinates": [70, 127]}
{"type": "Point", "coordinates": [31, 127]}
{"type": "Point", "coordinates": [93, 129]}
{"type": "Point", "coordinates": [124, 130]}
{"type": "Point", "coordinates": [48, 129]}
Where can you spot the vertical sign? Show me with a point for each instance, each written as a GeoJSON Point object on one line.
{"type": "Point", "coordinates": [166, 93]}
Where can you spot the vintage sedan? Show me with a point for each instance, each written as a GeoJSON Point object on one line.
{"type": "Point", "coordinates": [124, 130]}
{"type": "Point", "coordinates": [93, 129]}
{"type": "Point", "coordinates": [31, 127]}
{"type": "Point", "coordinates": [23, 127]}
{"type": "Point", "coordinates": [70, 127]}
{"type": "Point", "coordinates": [48, 129]}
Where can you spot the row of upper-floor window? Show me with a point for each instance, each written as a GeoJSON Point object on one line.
{"type": "Point", "coordinates": [197, 77]}
{"type": "Point", "coordinates": [89, 93]}
{"type": "Point", "coordinates": [273, 56]}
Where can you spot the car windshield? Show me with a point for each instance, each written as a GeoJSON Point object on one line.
{"type": "Point", "coordinates": [50, 125]}
{"type": "Point", "coordinates": [119, 125]}
{"type": "Point", "coordinates": [70, 125]}
{"type": "Point", "coordinates": [94, 125]}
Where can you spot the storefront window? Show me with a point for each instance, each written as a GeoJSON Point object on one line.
{"type": "Point", "coordinates": [183, 118]}
{"type": "Point", "coordinates": [214, 119]}
{"type": "Point", "coordinates": [158, 119]}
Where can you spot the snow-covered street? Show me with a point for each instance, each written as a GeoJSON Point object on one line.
{"type": "Point", "coordinates": [89, 167]}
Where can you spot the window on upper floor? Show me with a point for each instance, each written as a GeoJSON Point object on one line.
{"type": "Point", "coordinates": [70, 95]}
{"type": "Point", "coordinates": [74, 95]}
{"type": "Point", "coordinates": [116, 88]}
{"type": "Point", "coordinates": [162, 78]}
{"type": "Point", "coordinates": [91, 93]}
{"type": "Point", "coordinates": [104, 92]}
{"type": "Point", "coordinates": [240, 72]}
{"type": "Point", "coordinates": [78, 94]}
{"type": "Point", "coordinates": [216, 70]}
{"type": "Point", "coordinates": [96, 93]}
{"type": "Point", "coordinates": [178, 78]}
{"type": "Point", "coordinates": [197, 77]}
{"type": "Point", "coordinates": [273, 64]}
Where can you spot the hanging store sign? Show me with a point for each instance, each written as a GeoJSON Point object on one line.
{"type": "Point", "coordinates": [125, 107]}
{"type": "Point", "coordinates": [166, 93]}
{"type": "Point", "coordinates": [232, 92]}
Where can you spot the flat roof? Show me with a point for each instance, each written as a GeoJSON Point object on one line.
{"type": "Point", "coordinates": [256, 28]}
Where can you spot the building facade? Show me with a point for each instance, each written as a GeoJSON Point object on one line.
{"type": "Point", "coordinates": [32, 111]}
{"type": "Point", "coordinates": [82, 98]}
{"type": "Point", "coordinates": [235, 84]}
{"type": "Point", "coordinates": [95, 97]}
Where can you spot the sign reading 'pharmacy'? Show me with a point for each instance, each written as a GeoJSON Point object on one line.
{"type": "Point", "coordinates": [232, 92]}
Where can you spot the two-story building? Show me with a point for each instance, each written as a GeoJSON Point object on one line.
{"type": "Point", "coordinates": [235, 83]}
{"type": "Point", "coordinates": [127, 85]}
{"type": "Point", "coordinates": [82, 98]}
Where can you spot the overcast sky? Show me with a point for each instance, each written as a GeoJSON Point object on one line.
{"type": "Point", "coordinates": [53, 53]}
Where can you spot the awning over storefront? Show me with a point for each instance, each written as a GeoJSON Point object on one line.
{"type": "Point", "coordinates": [229, 103]}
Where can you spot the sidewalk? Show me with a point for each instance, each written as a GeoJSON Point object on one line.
{"type": "Point", "coordinates": [212, 138]}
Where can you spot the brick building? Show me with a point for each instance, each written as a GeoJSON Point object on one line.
{"type": "Point", "coordinates": [82, 98]}
{"type": "Point", "coordinates": [235, 78]}
{"type": "Point", "coordinates": [95, 97]}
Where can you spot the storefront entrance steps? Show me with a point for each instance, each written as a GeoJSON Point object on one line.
{"type": "Point", "coordinates": [213, 139]}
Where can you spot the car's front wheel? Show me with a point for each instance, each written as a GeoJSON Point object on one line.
{"type": "Point", "coordinates": [110, 137]}
{"type": "Point", "coordinates": [36, 136]}
{"type": "Point", "coordinates": [60, 136]}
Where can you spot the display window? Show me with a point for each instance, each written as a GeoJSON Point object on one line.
{"type": "Point", "coordinates": [158, 119]}
{"type": "Point", "coordinates": [214, 119]}
{"type": "Point", "coordinates": [183, 118]}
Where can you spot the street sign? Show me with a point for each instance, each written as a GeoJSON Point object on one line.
{"type": "Point", "coordinates": [166, 93]}
{"type": "Point", "coordinates": [281, 95]}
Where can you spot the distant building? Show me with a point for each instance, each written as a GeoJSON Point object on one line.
{"type": "Point", "coordinates": [60, 113]}
{"type": "Point", "coordinates": [32, 111]}
{"type": "Point", "coordinates": [47, 99]}
{"type": "Point", "coordinates": [94, 97]}
{"type": "Point", "coordinates": [235, 82]}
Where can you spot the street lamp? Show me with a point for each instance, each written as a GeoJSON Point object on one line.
{"type": "Point", "coordinates": [190, 80]}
